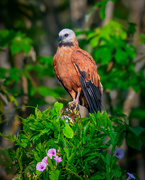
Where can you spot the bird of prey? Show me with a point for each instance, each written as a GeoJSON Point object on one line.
{"type": "Point", "coordinates": [77, 72]}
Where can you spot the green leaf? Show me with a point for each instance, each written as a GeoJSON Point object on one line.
{"type": "Point", "coordinates": [50, 163]}
{"type": "Point", "coordinates": [38, 173]}
{"type": "Point", "coordinates": [137, 130]}
{"type": "Point", "coordinates": [67, 131]}
{"type": "Point", "coordinates": [86, 128]}
{"type": "Point", "coordinates": [90, 158]}
{"type": "Point", "coordinates": [37, 156]}
{"type": "Point", "coordinates": [12, 99]}
{"type": "Point", "coordinates": [102, 4]}
{"type": "Point", "coordinates": [58, 107]}
{"type": "Point", "coordinates": [108, 158]}
{"type": "Point", "coordinates": [20, 43]}
{"type": "Point", "coordinates": [134, 141]}
{"type": "Point", "coordinates": [38, 113]}
{"type": "Point", "coordinates": [102, 11]}
{"type": "Point", "coordinates": [117, 171]}
{"type": "Point", "coordinates": [96, 177]}
{"type": "Point", "coordinates": [15, 48]}
{"type": "Point", "coordinates": [44, 91]}
{"type": "Point", "coordinates": [137, 113]}
{"type": "Point", "coordinates": [120, 56]}
{"type": "Point", "coordinates": [131, 28]}
{"type": "Point", "coordinates": [105, 53]}
{"type": "Point", "coordinates": [30, 169]}
{"type": "Point", "coordinates": [46, 60]}
{"type": "Point", "coordinates": [3, 72]}
{"type": "Point", "coordinates": [6, 37]}
{"type": "Point", "coordinates": [54, 175]}
{"type": "Point", "coordinates": [67, 152]}
{"type": "Point", "coordinates": [15, 74]}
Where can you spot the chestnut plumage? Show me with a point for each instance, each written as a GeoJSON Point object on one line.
{"type": "Point", "coordinates": [77, 72]}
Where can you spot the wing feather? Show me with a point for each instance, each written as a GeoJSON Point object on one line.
{"type": "Point", "coordinates": [89, 79]}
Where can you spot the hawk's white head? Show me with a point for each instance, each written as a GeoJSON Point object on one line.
{"type": "Point", "coordinates": [66, 36]}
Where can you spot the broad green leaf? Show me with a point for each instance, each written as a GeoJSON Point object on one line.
{"type": "Point", "coordinates": [6, 37]}
{"type": "Point", "coordinates": [137, 130]}
{"type": "Point", "coordinates": [58, 106]}
{"type": "Point", "coordinates": [120, 56]}
{"type": "Point", "coordinates": [134, 141]}
{"type": "Point", "coordinates": [67, 131]}
{"type": "Point", "coordinates": [15, 48]}
{"type": "Point", "coordinates": [105, 53]}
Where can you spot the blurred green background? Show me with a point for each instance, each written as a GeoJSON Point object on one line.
{"type": "Point", "coordinates": [113, 32]}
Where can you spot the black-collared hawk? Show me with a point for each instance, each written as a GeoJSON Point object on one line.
{"type": "Point", "coordinates": [77, 72]}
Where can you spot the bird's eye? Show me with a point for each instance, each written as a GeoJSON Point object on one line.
{"type": "Point", "coordinates": [66, 35]}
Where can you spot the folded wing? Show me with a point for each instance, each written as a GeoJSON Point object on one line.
{"type": "Point", "coordinates": [89, 79]}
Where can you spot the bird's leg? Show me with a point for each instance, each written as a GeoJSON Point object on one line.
{"type": "Point", "coordinates": [75, 101]}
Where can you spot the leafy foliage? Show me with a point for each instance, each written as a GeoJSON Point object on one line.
{"type": "Point", "coordinates": [20, 44]}
{"type": "Point", "coordinates": [114, 56]}
{"type": "Point", "coordinates": [17, 41]}
{"type": "Point", "coordinates": [82, 145]}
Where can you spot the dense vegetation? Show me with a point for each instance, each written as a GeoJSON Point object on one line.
{"type": "Point", "coordinates": [82, 144]}
{"type": "Point", "coordinates": [28, 85]}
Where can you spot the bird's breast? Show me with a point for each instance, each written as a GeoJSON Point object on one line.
{"type": "Point", "coordinates": [66, 70]}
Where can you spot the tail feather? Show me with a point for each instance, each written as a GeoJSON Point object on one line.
{"type": "Point", "coordinates": [92, 95]}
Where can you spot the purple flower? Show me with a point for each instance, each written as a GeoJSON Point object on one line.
{"type": "Point", "coordinates": [45, 160]}
{"type": "Point", "coordinates": [41, 166]}
{"type": "Point", "coordinates": [51, 152]}
{"type": "Point", "coordinates": [58, 159]}
{"type": "Point", "coordinates": [119, 153]}
{"type": "Point", "coordinates": [130, 176]}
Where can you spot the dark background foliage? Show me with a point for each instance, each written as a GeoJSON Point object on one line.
{"type": "Point", "coordinates": [111, 31]}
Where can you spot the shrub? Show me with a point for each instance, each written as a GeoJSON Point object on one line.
{"type": "Point", "coordinates": [80, 147]}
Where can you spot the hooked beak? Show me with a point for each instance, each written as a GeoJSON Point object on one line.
{"type": "Point", "coordinates": [60, 39]}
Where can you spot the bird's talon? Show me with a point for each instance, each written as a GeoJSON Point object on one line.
{"type": "Point", "coordinates": [72, 103]}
